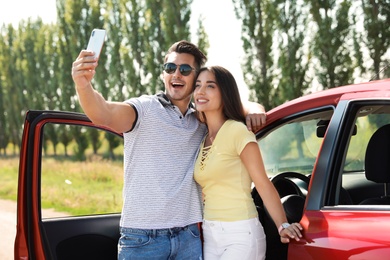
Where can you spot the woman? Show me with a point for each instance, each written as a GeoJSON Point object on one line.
{"type": "Point", "coordinates": [229, 160]}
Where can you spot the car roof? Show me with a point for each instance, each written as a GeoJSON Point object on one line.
{"type": "Point", "coordinates": [330, 97]}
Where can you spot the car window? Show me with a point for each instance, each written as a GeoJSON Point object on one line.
{"type": "Point", "coordinates": [294, 146]}
{"type": "Point", "coordinates": [365, 127]}
{"type": "Point", "coordinates": [355, 185]}
{"type": "Point", "coordinates": [81, 170]}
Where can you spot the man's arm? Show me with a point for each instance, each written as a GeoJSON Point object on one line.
{"type": "Point", "coordinates": [117, 115]}
{"type": "Point", "coordinates": [255, 115]}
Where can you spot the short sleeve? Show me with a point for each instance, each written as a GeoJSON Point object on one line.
{"type": "Point", "coordinates": [141, 105]}
{"type": "Point", "coordinates": [241, 136]}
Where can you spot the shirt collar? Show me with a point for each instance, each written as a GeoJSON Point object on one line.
{"type": "Point", "coordinates": [165, 101]}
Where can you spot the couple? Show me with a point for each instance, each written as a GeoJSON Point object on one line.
{"type": "Point", "coordinates": [162, 135]}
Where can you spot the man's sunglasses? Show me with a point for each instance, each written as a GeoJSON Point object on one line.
{"type": "Point", "coordinates": [184, 69]}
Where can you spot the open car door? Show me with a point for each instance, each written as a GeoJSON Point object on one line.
{"type": "Point", "coordinates": [68, 164]}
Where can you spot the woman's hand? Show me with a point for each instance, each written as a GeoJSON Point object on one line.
{"type": "Point", "coordinates": [291, 232]}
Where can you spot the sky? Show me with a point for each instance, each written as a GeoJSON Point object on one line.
{"type": "Point", "coordinates": [223, 29]}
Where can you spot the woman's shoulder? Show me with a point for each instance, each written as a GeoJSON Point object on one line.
{"type": "Point", "coordinates": [235, 123]}
{"type": "Point", "coordinates": [236, 126]}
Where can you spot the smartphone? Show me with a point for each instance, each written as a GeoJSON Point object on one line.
{"type": "Point", "coordinates": [96, 41]}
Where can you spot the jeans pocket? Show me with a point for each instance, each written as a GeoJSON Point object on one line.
{"type": "Point", "coordinates": [134, 240]}
{"type": "Point", "coordinates": [194, 230]}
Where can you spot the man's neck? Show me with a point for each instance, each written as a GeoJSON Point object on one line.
{"type": "Point", "coordinates": [182, 105]}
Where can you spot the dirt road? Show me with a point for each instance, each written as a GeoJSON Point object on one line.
{"type": "Point", "coordinates": [8, 227]}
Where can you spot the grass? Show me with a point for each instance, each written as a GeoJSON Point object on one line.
{"type": "Point", "coordinates": [82, 187]}
{"type": "Point", "coordinates": [9, 177]}
{"type": "Point", "coordinates": [77, 188]}
{"type": "Point", "coordinates": [93, 186]}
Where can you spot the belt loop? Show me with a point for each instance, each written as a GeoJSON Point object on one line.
{"type": "Point", "coordinates": [154, 233]}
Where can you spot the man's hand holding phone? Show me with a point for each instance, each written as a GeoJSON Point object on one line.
{"type": "Point", "coordinates": [84, 66]}
{"type": "Point", "coordinates": [96, 41]}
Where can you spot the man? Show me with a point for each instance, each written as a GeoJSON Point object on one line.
{"type": "Point", "coordinates": [162, 203]}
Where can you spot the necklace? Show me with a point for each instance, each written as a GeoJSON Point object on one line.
{"type": "Point", "coordinates": [211, 138]}
{"type": "Point", "coordinates": [208, 141]}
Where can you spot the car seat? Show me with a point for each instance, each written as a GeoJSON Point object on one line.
{"type": "Point", "coordinates": [377, 164]}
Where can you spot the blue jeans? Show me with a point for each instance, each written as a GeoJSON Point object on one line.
{"type": "Point", "coordinates": [171, 243]}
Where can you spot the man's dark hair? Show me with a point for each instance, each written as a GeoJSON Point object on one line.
{"type": "Point", "coordinates": [190, 48]}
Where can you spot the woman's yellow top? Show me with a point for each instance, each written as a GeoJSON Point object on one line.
{"type": "Point", "coordinates": [225, 182]}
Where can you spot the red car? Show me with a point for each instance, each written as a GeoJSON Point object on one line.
{"type": "Point", "coordinates": [327, 153]}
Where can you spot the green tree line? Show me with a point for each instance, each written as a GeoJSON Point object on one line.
{"type": "Point", "coordinates": [292, 47]}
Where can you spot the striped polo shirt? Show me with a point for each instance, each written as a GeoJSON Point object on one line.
{"type": "Point", "coordinates": [159, 154]}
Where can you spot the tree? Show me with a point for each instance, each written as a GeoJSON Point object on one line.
{"type": "Point", "coordinates": [94, 139]}
{"type": "Point", "coordinates": [171, 25]}
{"type": "Point", "coordinates": [4, 137]}
{"type": "Point", "coordinates": [13, 83]}
{"type": "Point", "coordinates": [124, 47]}
{"type": "Point", "coordinates": [331, 42]}
{"type": "Point", "coordinates": [202, 37]}
{"type": "Point", "coordinates": [377, 30]}
{"type": "Point", "coordinates": [36, 58]}
{"type": "Point", "coordinates": [258, 27]}
{"type": "Point", "coordinates": [294, 57]}
{"type": "Point", "coordinates": [4, 133]}
{"type": "Point", "coordinates": [76, 20]}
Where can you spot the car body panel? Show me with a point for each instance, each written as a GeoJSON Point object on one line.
{"type": "Point", "coordinates": [343, 234]}
{"type": "Point", "coordinates": [328, 97]}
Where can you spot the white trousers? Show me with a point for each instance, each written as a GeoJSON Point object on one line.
{"type": "Point", "coordinates": [243, 240]}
